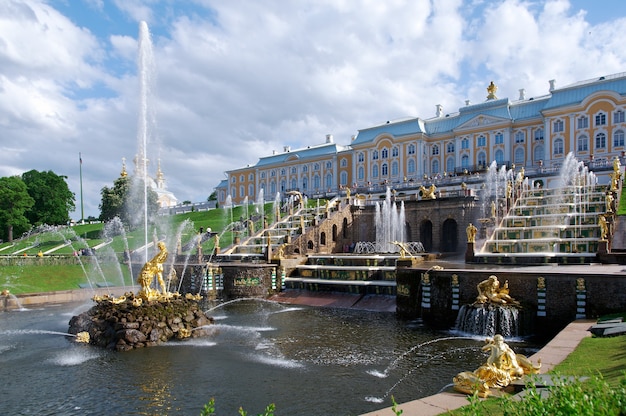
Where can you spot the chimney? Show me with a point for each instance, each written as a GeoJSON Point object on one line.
{"type": "Point", "coordinates": [439, 110]}
{"type": "Point", "coordinates": [552, 84]}
{"type": "Point", "coordinates": [522, 94]}
{"type": "Point", "coordinates": [329, 138]}
{"type": "Point", "coordinates": [287, 149]}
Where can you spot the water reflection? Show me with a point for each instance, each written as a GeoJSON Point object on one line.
{"type": "Point", "coordinates": [307, 361]}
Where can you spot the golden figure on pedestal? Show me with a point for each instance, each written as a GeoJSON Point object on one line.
{"type": "Point", "coordinates": [150, 270]}
{"type": "Point", "coordinates": [489, 291]}
{"type": "Point", "coordinates": [502, 367]}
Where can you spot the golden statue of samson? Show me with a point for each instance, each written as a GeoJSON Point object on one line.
{"type": "Point", "coordinates": [153, 268]}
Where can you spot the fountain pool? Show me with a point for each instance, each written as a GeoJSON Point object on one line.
{"type": "Point", "coordinates": [308, 361]}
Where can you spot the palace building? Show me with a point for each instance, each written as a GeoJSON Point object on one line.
{"type": "Point", "coordinates": [586, 118]}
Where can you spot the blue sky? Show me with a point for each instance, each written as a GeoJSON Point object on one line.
{"type": "Point", "coordinates": [237, 79]}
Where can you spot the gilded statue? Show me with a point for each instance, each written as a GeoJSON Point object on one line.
{"type": "Point", "coordinates": [428, 193]}
{"type": "Point", "coordinates": [609, 202]}
{"type": "Point", "coordinates": [491, 90]}
{"type": "Point", "coordinates": [471, 233]}
{"type": "Point", "coordinates": [153, 268]}
{"type": "Point", "coordinates": [404, 251]}
{"type": "Point", "coordinates": [501, 368]}
{"type": "Point", "coordinates": [489, 291]}
{"type": "Point", "coordinates": [604, 227]}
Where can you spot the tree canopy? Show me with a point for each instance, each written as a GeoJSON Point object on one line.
{"type": "Point", "coordinates": [125, 200]}
{"type": "Point", "coordinates": [53, 200]}
{"type": "Point", "coordinates": [14, 202]}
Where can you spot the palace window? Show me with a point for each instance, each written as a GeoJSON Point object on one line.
{"type": "Point", "coordinates": [600, 141]}
{"type": "Point", "coordinates": [464, 144]}
{"type": "Point", "coordinates": [329, 165]}
{"type": "Point", "coordinates": [618, 116]}
{"type": "Point", "coordinates": [361, 173]}
{"type": "Point", "coordinates": [499, 138]}
{"type": "Point", "coordinates": [482, 159]}
{"type": "Point", "coordinates": [450, 165]}
{"type": "Point", "coordinates": [558, 126]}
{"type": "Point", "coordinates": [450, 147]}
{"type": "Point", "coordinates": [435, 150]}
{"type": "Point", "coordinates": [343, 178]}
{"type": "Point", "coordinates": [251, 177]}
{"type": "Point", "coordinates": [385, 169]}
{"type": "Point", "coordinates": [384, 154]}
{"type": "Point", "coordinates": [583, 144]}
{"type": "Point", "coordinates": [464, 161]}
{"type": "Point", "coordinates": [344, 163]}
{"type": "Point", "coordinates": [520, 137]}
{"type": "Point", "coordinates": [317, 182]}
{"type": "Point", "coordinates": [305, 168]}
{"type": "Point", "coordinates": [316, 167]}
{"type": "Point", "coordinates": [283, 172]}
{"type": "Point", "coordinates": [481, 141]}
{"type": "Point", "coordinates": [411, 166]}
{"type": "Point", "coordinates": [294, 170]}
{"type": "Point", "coordinates": [582, 122]}
{"type": "Point", "coordinates": [375, 171]}
{"type": "Point", "coordinates": [273, 173]}
{"type": "Point", "coordinates": [251, 189]}
{"type": "Point", "coordinates": [361, 157]}
{"type": "Point", "coordinates": [435, 166]}
{"type": "Point", "coordinates": [539, 153]}
{"type": "Point", "coordinates": [600, 119]}
{"type": "Point", "coordinates": [305, 183]}
{"type": "Point", "coordinates": [283, 186]}
{"type": "Point", "coordinates": [499, 156]}
{"type": "Point", "coordinates": [294, 183]}
{"type": "Point", "coordinates": [519, 155]}
{"type": "Point", "coordinates": [233, 179]}
{"type": "Point", "coordinates": [618, 138]}
{"type": "Point", "coordinates": [375, 155]}
{"type": "Point", "coordinates": [242, 192]}
{"type": "Point", "coordinates": [241, 178]}
{"type": "Point", "coordinates": [394, 169]}
{"type": "Point", "coordinates": [329, 181]}
{"type": "Point", "coordinates": [395, 152]}
{"type": "Point", "coordinates": [558, 147]}
{"type": "Point", "coordinates": [538, 134]}
{"type": "Point", "coordinates": [411, 149]}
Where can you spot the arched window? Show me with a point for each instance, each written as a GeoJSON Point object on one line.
{"type": "Point", "coordinates": [450, 147]}
{"type": "Point", "coordinates": [361, 157]}
{"type": "Point", "coordinates": [375, 155]}
{"type": "Point", "coordinates": [323, 239]}
{"type": "Point", "coordinates": [464, 161]}
{"type": "Point", "coordinates": [558, 147]}
{"type": "Point", "coordinates": [329, 180]}
{"type": "Point", "coordinates": [283, 186]}
{"type": "Point", "coordinates": [600, 141]}
{"type": "Point", "coordinates": [499, 157]}
{"type": "Point", "coordinates": [273, 187]}
{"type": "Point", "coordinates": [334, 236]}
{"type": "Point", "coordinates": [294, 183]}
{"type": "Point", "coordinates": [435, 150]}
{"type": "Point", "coordinates": [251, 190]}
{"type": "Point", "coordinates": [520, 137]}
{"type": "Point", "coordinates": [519, 155]}
{"type": "Point", "coordinates": [385, 169]}
{"type": "Point", "coordinates": [411, 149]}
{"type": "Point", "coordinates": [395, 152]}
{"type": "Point", "coordinates": [317, 183]}
{"type": "Point", "coordinates": [411, 166]}
{"type": "Point", "coordinates": [361, 173]}
{"type": "Point", "coordinates": [465, 144]}
{"type": "Point", "coordinates": [450, 165]}
{"type": "Point", "coordinates": [375, 171]}
{"type": "Point", "coordinates": [582, 143]}
{"type": "Point", "coordinates": [482, 159]}
{"type": "Point", "coordinates": [305, 183]}
{"type": "Point", "coordinates": [343, 178]}
{"type": "Point", "coordinates": [384, 154]}
{"type": "Point", "coordinates": [242, 192]}
{"type": "Point", "coordinates": [618, 138]}
{"type": "Point", "coordinates": [538, 134]}
{"type": "Point", "coordinates": [394, 169]}
{"type": "Point", "coordinates": [435, 166]}
{"type": "Point", "coordinates": [539, 154]}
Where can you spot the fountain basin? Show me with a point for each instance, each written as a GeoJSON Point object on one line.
{"type": "Point", "coordinates": [124, 326]}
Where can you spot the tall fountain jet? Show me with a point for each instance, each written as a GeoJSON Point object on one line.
{"type": "Point", "coordinates": [147, 120]}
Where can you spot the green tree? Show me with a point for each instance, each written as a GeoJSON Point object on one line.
{"type": "Point", "coordinates": [212, 197]}
{"type": "Point", "coordinates": [126, 201]}
{"type": "Point", "coordinates": [14, 202]}
{"type": "Point", "coordinates": [53, 200]}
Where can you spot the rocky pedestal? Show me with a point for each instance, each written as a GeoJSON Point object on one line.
{"type": "Point", "coordinates": [124, 326]}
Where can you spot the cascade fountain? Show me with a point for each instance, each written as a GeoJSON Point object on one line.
{"type": "Point", "coordinates": [389, 220]}
{"type": "Point", "coordinates": [493, 312]}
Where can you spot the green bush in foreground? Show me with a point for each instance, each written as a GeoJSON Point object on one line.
{"type": "Point", "coordinates": [593, 397]}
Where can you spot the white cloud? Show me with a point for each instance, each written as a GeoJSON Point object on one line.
{"type": "Point", "coordinates": [238, 79]}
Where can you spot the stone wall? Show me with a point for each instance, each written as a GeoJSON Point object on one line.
{"type": "Point", "coordinates": [566, 296]}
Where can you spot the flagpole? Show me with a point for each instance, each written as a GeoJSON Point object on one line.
{"type": "Point", "coordinates": [82, 211]}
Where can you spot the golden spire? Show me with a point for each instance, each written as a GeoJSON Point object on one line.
{"type": "Point", "coordinates": [491, 89]}
{"type": "Point", "coordinates": [159, 173]}
{"type": "Point", "coordinates": [123, 174]}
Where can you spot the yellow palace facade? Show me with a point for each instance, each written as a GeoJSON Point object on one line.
{"type": "Point", "coordinates": [586, 118]}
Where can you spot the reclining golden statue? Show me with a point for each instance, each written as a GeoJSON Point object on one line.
{"type": "Point", "coordinates": [502, 367]}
